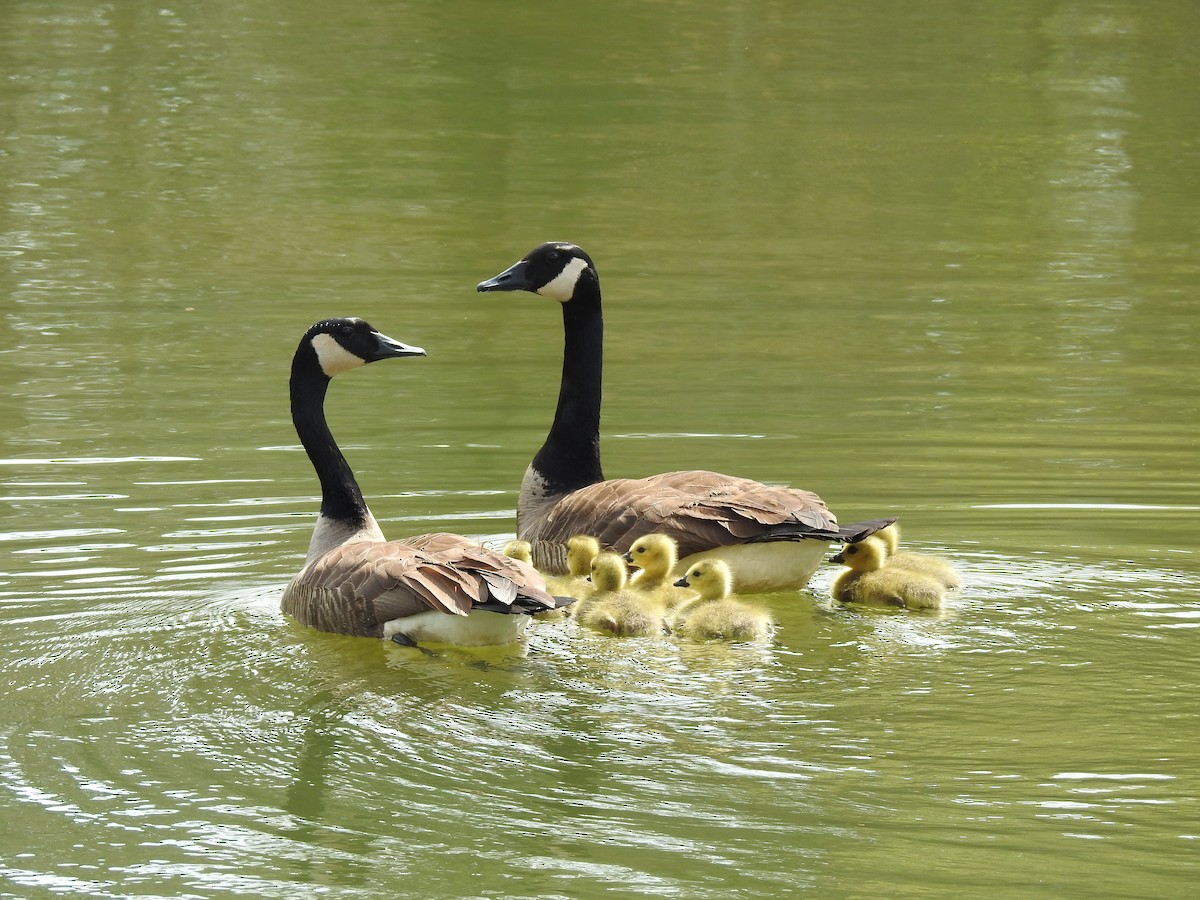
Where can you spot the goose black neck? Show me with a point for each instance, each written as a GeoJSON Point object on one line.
{"type": "Point", "coordinates": [341, 498]}
{"type": "Point", "coordinates": [570, 458]}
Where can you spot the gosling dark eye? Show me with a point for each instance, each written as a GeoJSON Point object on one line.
{"type": "Point", "coordinates": [851, 550]}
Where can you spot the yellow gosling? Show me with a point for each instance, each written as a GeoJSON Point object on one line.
{"type": "Point", "coordinates": [521, 550]}
{"type": "Point", "coordinates": [614, 609]}
{"type": "Point", "coordinates": [890, 537]}
{"type": "Point", "coordinates": [714, 614]}
{"type": "Point", "coordinates": [869, 578]}
{"type": "Point", "coordinates": [933, 566]}
{"type": "Point", "coordinates": [655, 557]}
{"type": "Point", "coordinates": [581, 550]}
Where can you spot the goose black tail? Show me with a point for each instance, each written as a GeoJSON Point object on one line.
{"type": "Point", "coordinates": [857, 531]}
{"type": "Point", "coordinates": [846, 534]}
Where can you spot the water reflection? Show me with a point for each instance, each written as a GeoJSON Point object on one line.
{"type": "Point", "coordinates": [652, 749]}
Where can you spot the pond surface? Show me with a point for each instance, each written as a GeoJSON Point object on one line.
{"type": "Point", "coordinates": [928, 260]}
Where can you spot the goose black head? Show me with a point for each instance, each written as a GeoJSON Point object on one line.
{"type": "Point", "coordinates": [555, 269]}
{"type": "Point", "coordinates": [344, 344]}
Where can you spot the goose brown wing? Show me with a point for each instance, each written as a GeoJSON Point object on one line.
{"type": "Point", "coordinates": [511, 585]}
{"type": "Point", "coordinates": [391, 579]}
{"type": "Point", "coordinates": [357, 587]}
{"type": "Point", "coordinates": [438, 541]}
{"type": "Point", "coordinates": [699, 509]}
{"type": "Point", "coordinates": [508, 578]}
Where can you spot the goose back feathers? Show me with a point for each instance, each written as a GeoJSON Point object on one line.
{"type": "Point", "coordinates": [363, 587]}
{"type": "Point", "coordinates": [699, 509]}
{"type": "Point", "coordinates": [564, 491]}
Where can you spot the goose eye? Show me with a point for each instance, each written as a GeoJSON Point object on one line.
{"type": "Point", "coordinates": [552, 256]}
{"type": "Point", "coordinates": [345, 330]}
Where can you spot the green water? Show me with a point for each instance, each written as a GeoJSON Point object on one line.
{"type": "Point", "coordinates": [936, 260]}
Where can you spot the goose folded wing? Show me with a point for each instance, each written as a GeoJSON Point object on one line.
{"type": "Point", "coordinates": [375, 582]}
{"type": "Point", "coordinates": [699, 509]}
{"type": "Point", "coordinates": [502, 589]}
{"type": "Point", "coordinates": [849, 534]}
{"type": "Point", "coordinates": [513, 585]}
{"type": "Point", "coordinates": [391, 580]}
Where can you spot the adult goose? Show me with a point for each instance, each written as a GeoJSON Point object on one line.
{"type": "Point", "coordinates": [773, 537]}
{"type": "Point", "coordinates": [435, 587]}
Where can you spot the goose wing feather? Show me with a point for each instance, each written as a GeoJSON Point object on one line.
{"type": "Point", "coordinates": [439, 542]}
{"type": "Point", "coordinates": [502, 589]}
{"type": "Point", "coordinates": [508, 580]}
{"type": "Point", "coordinates": [357, 587]}
{"type": "Point", "coordinates": [700, 509]}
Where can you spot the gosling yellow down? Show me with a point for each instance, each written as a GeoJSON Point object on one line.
{"type": "Point", "coordinates": [614, 609]}
{"type": "Point", "coordinates": [869, 578]}
{"type": "Point", "coordinates": [521, 550]}
{"type": "Point", "coordinates": [714, 614]}
{"type": "Point", "coordinates": [934, 566]}
{"type": "Point", "coordinates": [655, 557]}
{"type": "Point", "coordinates": [581, 550]}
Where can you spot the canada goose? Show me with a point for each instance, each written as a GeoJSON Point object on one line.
{"type": "Point", "coordinates": [581, 550]}
{"type": "Point", "coordinates": [435, 587]}
{"type": "Point", "coordinates": [933, 566]}
{"type": "Point", "coordinates": [869, 578]}
{"type": "Point", "coordinates": [614, 609]}
{"type": "Point", "coordinates": [774, 537]}
{"type": "Point", "coordinates": [655, 557]}
{"type": "Point", "coordinates": [714, 614]}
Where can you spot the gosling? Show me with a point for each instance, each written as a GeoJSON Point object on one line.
{"type": "Point", "coordinates": [934, 566]}
{"type": "Point", "coordinates": [869, 578]}
{"type": "Point", "coordinates": [581, 550]}
{"type": "Point", "coordinates": [714, 614]}
{"type": "Point", "coordinates": [614, 609]}
{"type": "Point", "coordinates": [521, 550]}
{"type": "Point", "coordinates": [655, 557]}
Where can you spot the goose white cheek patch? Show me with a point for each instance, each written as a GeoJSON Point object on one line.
{"type": "Point", "coordinates": [333, 357]}
{"type": "Point", "coordinates": [562, 288]}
